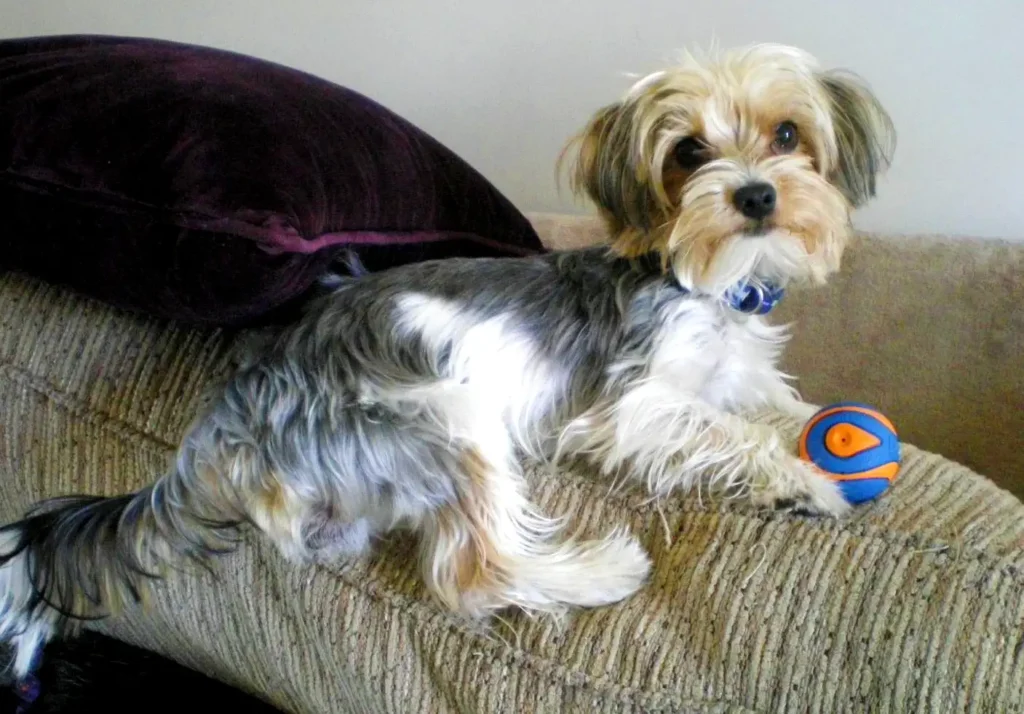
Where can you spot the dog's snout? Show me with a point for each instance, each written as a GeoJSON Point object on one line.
{"type": "Point", "coordinates": [755, 200]}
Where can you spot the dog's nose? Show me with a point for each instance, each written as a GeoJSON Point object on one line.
{"type": "Point", "coordinates": [755, 200]}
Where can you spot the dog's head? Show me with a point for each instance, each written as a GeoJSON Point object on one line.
{"type": "Point", "coordinates": [744, 166]}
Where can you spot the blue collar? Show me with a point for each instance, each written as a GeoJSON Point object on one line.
{"type": "Point", "coordinates": [749, 299]}
{"type": "Point", "coordinates": [755, 299]}
{"type": "Point", "coordinates": [746, 298]}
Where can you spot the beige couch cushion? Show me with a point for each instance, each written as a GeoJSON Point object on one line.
{"type": "Point", "coordinates": [916, 603]}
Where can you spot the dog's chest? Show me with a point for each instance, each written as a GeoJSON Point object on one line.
{"type": "Point", "coordinates": [723, 359]}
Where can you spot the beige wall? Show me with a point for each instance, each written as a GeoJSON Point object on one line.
{"type": "Point", "coordinates": [505, 82]}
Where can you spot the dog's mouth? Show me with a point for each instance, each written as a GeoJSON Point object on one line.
{"type": "Point", "coordinates": [757, 229]}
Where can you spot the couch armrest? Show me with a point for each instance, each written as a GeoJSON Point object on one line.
{"type": "Point", "coordinates": [931, 330]}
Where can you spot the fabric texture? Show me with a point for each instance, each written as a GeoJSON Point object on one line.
{"type": "Point", "coordinates": [212, 187]}
{"type": "Point", "coordinates": [913, 603]}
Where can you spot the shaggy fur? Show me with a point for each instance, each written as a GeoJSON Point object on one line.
{"type": "Point", "coordinates": [409, 399]}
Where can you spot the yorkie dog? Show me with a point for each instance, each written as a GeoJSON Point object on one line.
{"type": "Point", "coordinates": [410, 398]}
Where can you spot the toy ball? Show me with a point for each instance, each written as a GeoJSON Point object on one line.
{"type": "Point", "coordinates": [856, 446]}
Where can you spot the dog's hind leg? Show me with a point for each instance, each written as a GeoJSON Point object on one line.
{"type": "Point", "coordinates": [435, 457]}
{"type": "Point", "coordinates": [491, 549]}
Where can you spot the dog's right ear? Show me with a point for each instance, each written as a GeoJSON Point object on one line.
{"type": "Point", "coordinates": [607, 169]}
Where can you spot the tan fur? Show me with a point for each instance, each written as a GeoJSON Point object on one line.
{"type": "Point", "coordinates": [280, 513]}
{"type": "Point", "coordinates": [733, 103]}
{"type": "Point", "coordinates": [471, 564]}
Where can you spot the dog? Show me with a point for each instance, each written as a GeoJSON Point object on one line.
{"type": "Point", "coordinates": [410, 398]}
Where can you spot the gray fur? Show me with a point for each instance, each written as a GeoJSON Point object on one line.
{"type": "Point", "coordinates": [296, 413]}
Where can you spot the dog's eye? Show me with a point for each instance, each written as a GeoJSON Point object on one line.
{"type": "Point", "coordinates": [786, 138]}
{"type": "Point", "coordinates": [691, 152]}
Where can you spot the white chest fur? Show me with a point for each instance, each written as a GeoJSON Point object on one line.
{"type": "Point", "coordinates": [718, 356]}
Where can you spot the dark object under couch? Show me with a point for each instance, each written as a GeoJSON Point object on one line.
{"type": "Point", "coordinates": [93, 674]}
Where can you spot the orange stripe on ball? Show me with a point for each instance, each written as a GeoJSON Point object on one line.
{"type": "Point", "coordinates": [886, 471]}
{"type": "Point", "coordinates": [835, 410]}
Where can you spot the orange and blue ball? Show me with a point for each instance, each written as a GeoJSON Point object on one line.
{"type": "Point", "coordinates": [856, 446]}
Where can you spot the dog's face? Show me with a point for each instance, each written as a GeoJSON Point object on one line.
{"type": "Point", "coordinates": [742, 167]}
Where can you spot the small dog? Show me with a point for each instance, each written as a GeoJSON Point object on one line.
{"type": "Point", "coordinates": [409, 398]}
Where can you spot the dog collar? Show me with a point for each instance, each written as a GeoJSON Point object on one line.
{"type": "Point", "coordinates": [749, 299]}
{"type": "Point", "coordinates": [755, 299]}
{"type": "Point", "coordinates": [746, 298]}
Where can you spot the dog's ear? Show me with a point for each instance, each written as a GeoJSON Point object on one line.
{"type": "Point", "coordinates": [865, 136]}
{"type": "Point", "coordinates": [606, 169]}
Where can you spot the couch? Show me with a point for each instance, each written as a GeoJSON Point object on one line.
{"type": "Point", "coordinates": [913, 603]}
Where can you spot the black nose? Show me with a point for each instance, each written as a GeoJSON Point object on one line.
{"type": "Point", "coordinates": [755, 200]}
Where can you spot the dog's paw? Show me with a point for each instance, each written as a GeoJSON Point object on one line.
{"type": "Point", "coordinates": [798, 487]}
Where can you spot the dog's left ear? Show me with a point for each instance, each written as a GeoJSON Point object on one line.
{"type": "Point", "coordinates": [865, 136]}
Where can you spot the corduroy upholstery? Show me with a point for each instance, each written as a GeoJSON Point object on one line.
{"type": "Point", "coordinates": [915, 603]}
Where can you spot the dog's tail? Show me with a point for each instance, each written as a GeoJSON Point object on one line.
{"type": "Point", "coordinates": [79, 558]}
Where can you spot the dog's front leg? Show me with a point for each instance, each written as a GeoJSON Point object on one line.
{"type": "Point", "coordinates": [672, 441]}
{"type": "Point", "coordinates": [783, 398]}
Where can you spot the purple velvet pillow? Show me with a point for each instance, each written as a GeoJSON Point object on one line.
{"type": "Point", "coordinates": [214, 188]}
